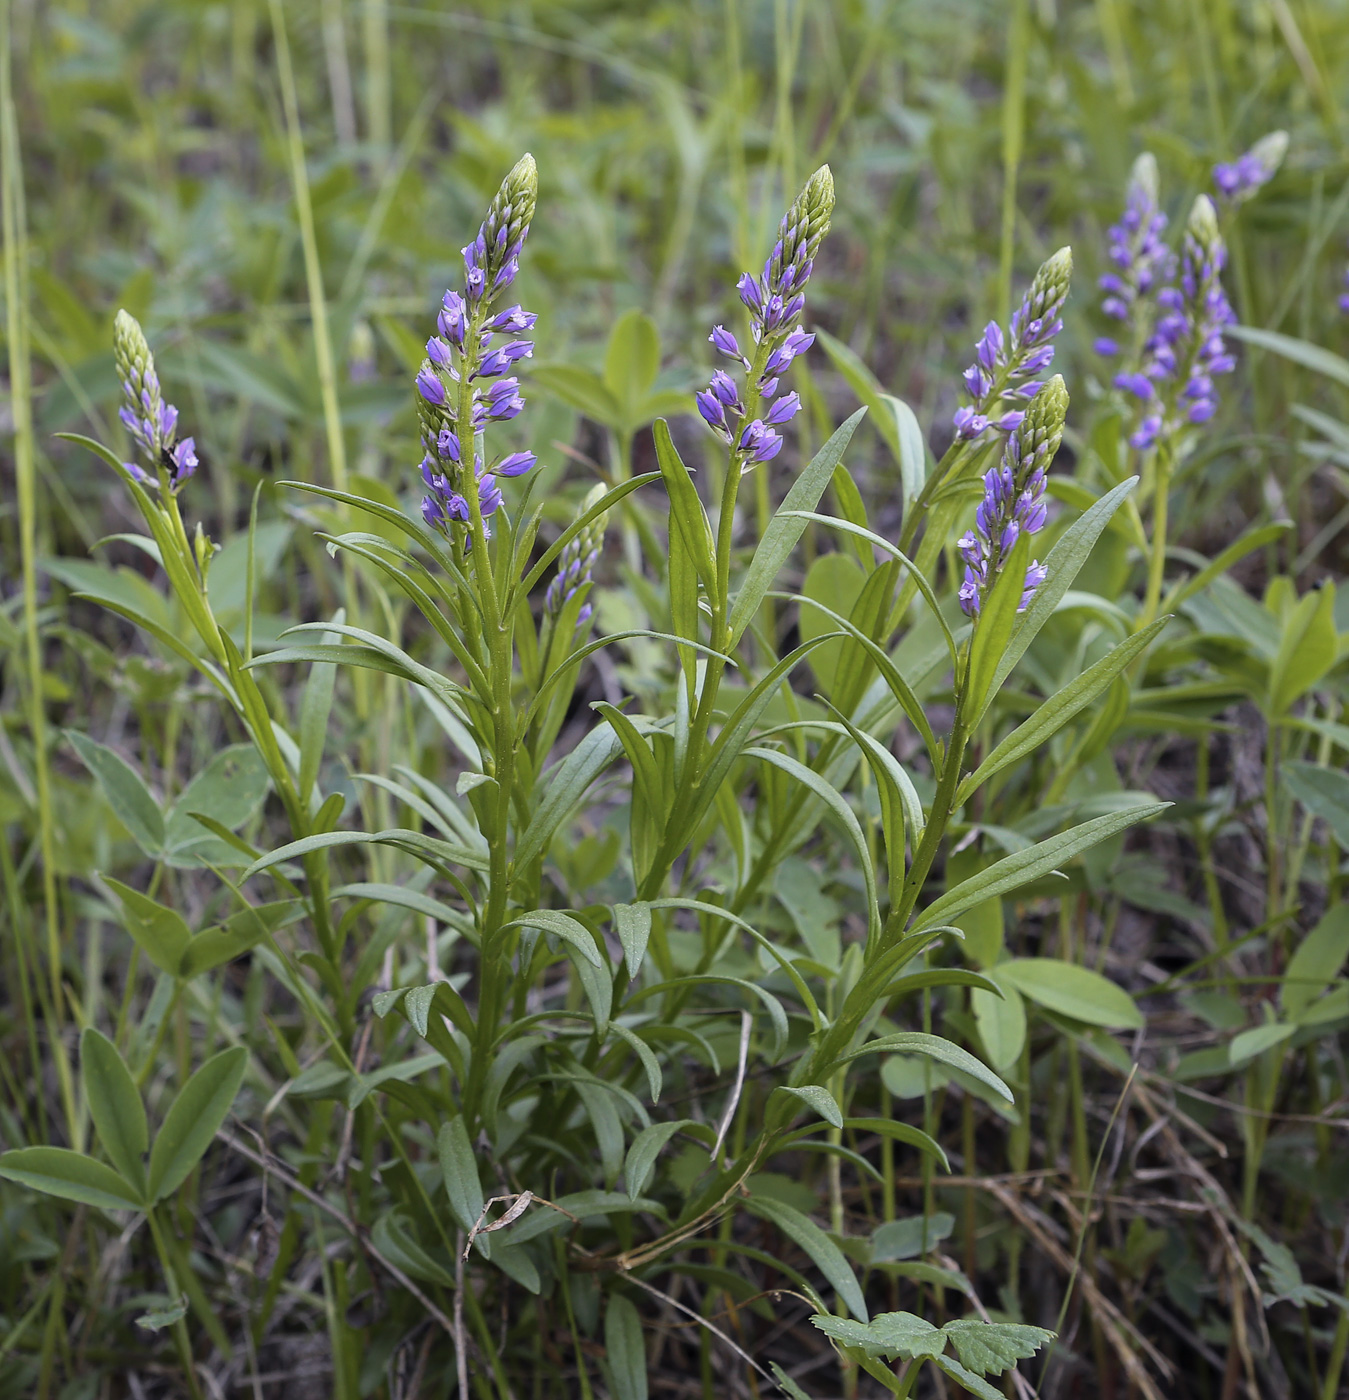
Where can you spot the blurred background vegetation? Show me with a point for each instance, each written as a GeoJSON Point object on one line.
{"type": "Point", "coordinates": [968, 140]}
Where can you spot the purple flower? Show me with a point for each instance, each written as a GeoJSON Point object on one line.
{"type": "Point", "coordinates": [784, 410]}
{"type": "Point", "coordinates": [1005, 363]}
{"type": "Point", "coordinates": [1013, 502]}
{"type": "Point", "coordinates": [430, 387]}
{"type": "Point", "coordinates": [727, 344]}
{"type": "Point", "coordinates": [151, 422]}
{"type": "Point", "coordinates": [515, 464]}
{"type": "Point", "coordinates": [1236, 181]}
{"type": "Point", "coordinates": [759, 443]}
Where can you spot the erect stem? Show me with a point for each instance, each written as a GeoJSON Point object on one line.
{"type": "Point", "coordinates": [1157, 557]}
{"type": "Point", "coordinates": [184, 1342]}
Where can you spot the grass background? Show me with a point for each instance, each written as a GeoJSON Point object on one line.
{"type": "Point", "coordinates": [968, 140]}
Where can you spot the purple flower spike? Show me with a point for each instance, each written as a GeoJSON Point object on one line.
{"type": "Point", "coordinates": [1013, 502]}
{"type": "Point", "coordinates": [775, 301]}
{"type": "Point", "coordinates": [1004, 363]}
{"type": "Point", "coordinates": [151, 422]}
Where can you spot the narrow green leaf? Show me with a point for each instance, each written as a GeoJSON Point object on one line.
{"type": "Point", "coordinates": [1020, 868]}
{"type": "Point", "coordinates": [193, 1120]}
{"type": "Point", "coordinates": [1324, 792]}
{"type": "Point", "coordinates": [935, 1048]}
{"type": "Point", "coordinates": [1316, 962]}
{"type": "Point", "coordinates": [568, 783]}
{"type": "Point", "coordinates": [460, 1170]}
{"type": "Point", "coordinates": [784, 530]}
{"type": "Point", "coordinates": [822, 1251]}
{"type": "Point", "coordinates": [1308, 648]}
{"type": "Point", "coordinates": [1062, 565]}
{"type": "Point", "coordinates": [57, 1171]}
{"type": "Point", "coordinates": [572, 931]}
{"type": "Point", "coordinates": [1301, 352]}
{"type": "Point", "coordinates": [315, 706]}
{"type": "Point", "coordinates": [815, 1097]}
{"type": "Point", "coordinates": [646, 1147]}
{"type": "Point", "coordinates": [687, 514]}
{"type": "Point", "coordinates": [624, 1350]}
{"type": "Point", "coordinates": [115, 1106]}
{"type": "Point", "coordinates": [993, 630]}
{"type": "Point", "coordinates": [632, 922]}
{"type": "Point", "coordinates": [1046, 721]}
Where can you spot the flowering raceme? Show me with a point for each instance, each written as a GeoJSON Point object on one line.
{"type": "Point", "coordinates": [1139, 259]}
{"type": "Point", "coordinates": [1014, 503]}
{"type": "Point", "coordinates": [152, 423]}
{"type": "Point", "coordinates": [576, 561]}
{"type": "Point", "coordinates": [775, 302]}
{"type": "Point", "coordinates": [463, 355]}
{"type": "Point", "coordinates": [1186, 350]}
{"type": "Point", "coordinates": [1006, 365]}
{"type": "Point", "coordinates": [1236, 181]}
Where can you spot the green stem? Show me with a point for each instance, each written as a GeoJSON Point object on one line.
{"type": "Point", "coordinates": [304, 208]}
{"type": "Point", "coordinates": [180, 1336]}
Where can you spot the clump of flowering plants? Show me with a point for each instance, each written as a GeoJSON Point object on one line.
{"type": "Point", "coordinates": [565, 1100]}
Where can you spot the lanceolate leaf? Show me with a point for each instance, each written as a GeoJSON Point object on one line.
{"type": "Point", "coordinates": [823, 1252]}
{"type": "Point", "coordinates": [115, 1106]}
{"type": "Point", "coordinates": [1072, 991]}
{"type": "Point", "coordinates": [193, 1120]}
{"type": "Point", "coordinates": [1058, 710]}
{"type": "Point", "coordinates": [1012, 872]}
{"type": "Point", "coordinates": [57, 1171]}
{"type": "Point", "coordinates": [127, 795]}
{"type": "Point", "coordinates": [784, 530]}
{"type": "Point", "coordinates": [625, 1349]}
{"type": "Point", "coordinates": [935, 1048]}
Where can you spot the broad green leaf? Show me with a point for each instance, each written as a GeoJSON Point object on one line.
{"type": "Point", "coordinates": [632, 361]}
{"type": "Point", "coordinates": [815, 1097]}
{"type": "Point", "coordinates": [632, 922]}
{"type": "Point", "coordinates": [891, 1334]}
{"type": "Point", "coordinates": [1257, 1040]}
{"type": "Point", "coordinates": [193, 1120]}
{"type": "Point", "coordinates": [1316, 963]}
{"type": "Point", "coordinates": [213, 947]}
{"type": "Point", "coordinates": [115, 1105]}
{"type": "Point", "coordinates": [1063, 564]}
{"type": "Point", "coordinates": [974, 1384]}
{"type": "Point", "coordinates": [230, 790]}
{"type": "Point", "coordinates": [1001, 1021]}
{"type": "Point", "coordinates": [1020, 868]}
{"type": "Point", "coordinates": [1307, 649]}
{"type": "Point", "coordinates": [990, 1348]}
{"type": "Point", "coordinates": [935, 1048]}
{"type": "Point", "coordinates": [1324, 792]}
{"type": "Point", "coordinates": [127, 795]}
{"type": "Point", "coordinates": [460, 1170]}
{"type": "Point", "coordinates": [910, 1238]}
{"type": "Point", "coordinates": [57, 1171]}
{"type": "Point", "coordinates": [785, 529]}
{"type": "Point", "coordinates": [624, 1349]}
{"type": "Point", "coordinates": [161, 933]}
{"type": "Point", "coordinates": [1072, 991]}
{"type": "Point", "coordinates": [835, 580]}
{"type": "Point", "coordinates": [646, 1147]}
{"type": "Point", "coordinates": [582, 390]}
{"type": "Point", "coordinates": [1050, 717]}
{"type": "Point", "coordinates": [822, 1251]}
